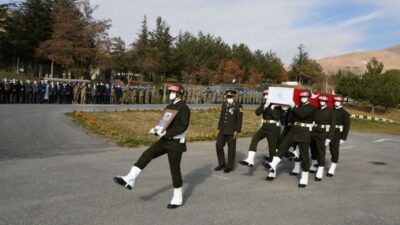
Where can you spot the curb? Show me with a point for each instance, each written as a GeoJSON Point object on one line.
{"type": "Point", "coordinates": [371, 118]}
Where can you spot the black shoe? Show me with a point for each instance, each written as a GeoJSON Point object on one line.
{"type": "Point", "coordinates": [266, 165]}
{"type": "Point", "coordinates": [245, 163]}
{"type": "Point", "coordinates": [311, 171]}
{"type": "Point", "coordinates": [329, 175]}
{"type": "Point", "coordinates": [122, 182]}
{"type": "Point", "coordinates": [219, 167]}
{"type": "Point", "coordinates": [270, 178]}
{"type": "Point", "coordinates": [171, 206]}
{"type": "Point", "coordinates": [302, 185]}
{"type": "Point", "coordinates": [227, 170]}
{"type": "Point", "coordinates": [293, 174]}
{"type": "Point", "coordinates": [267, 158]}
{"type": "Point", "coordinates": [318, 179]}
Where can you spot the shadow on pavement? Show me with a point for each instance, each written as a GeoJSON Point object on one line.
{"type": "Point", "coordinates": [190, 182]}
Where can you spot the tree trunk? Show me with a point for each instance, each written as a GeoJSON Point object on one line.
{"type": "Point", "coordinates": [373, 109]}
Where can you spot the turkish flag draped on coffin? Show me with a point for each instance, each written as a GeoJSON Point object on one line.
{"type": "Point", "coordinates": [291, 96]}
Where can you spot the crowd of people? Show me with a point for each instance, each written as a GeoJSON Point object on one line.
{"type": "Point", "coordinates": [63, 92]}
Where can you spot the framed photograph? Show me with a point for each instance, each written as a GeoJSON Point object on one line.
{"type": "Point", "coordinates": [166, 119]}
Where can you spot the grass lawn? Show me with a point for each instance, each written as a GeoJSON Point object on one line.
{"type": "Point", "coordinates": [130, 128]}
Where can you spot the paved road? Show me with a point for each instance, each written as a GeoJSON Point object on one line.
{"type": "Point", "coordinates": [61, 175]}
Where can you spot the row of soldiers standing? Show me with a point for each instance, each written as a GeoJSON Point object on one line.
{"type": "Point", "coordinates": [45, 92]}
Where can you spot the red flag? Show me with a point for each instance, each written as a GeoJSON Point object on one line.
{"type": "Point", "coordinates": [314, 98]}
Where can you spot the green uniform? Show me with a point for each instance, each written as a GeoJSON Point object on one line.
{"type": "Point", "coordinates": [230, 121]}
{"type": "Point", "coordinates": [323, 129]}
{"type": "Point", "coordinates": [342, 128]}
{"type": "Point", "coordinates": [169, 144]}
{"type": "Point", "coordinates": [270, 128]}
{"type": "Point", "coordinates": [299, 134]}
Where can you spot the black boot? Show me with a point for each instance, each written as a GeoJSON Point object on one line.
{"type": "Point", "coordinates": [219, 167]}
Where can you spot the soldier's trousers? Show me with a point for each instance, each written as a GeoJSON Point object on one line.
{"type": "Point", "coordinates": [221, 141]}
{"type": "Point", "coordinates": [272, 139]}
{"type": "Point", "coordinates": [174, 159]}
{"type": "Point", "coordinates": [334, 149]}
{"type": "Point", "coordinates": [304, 147]}
{"type": "Point", "coordinates": [318, 149]}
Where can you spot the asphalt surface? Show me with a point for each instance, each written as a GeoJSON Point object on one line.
{"type": "Point", "coordinates": [53, 172]}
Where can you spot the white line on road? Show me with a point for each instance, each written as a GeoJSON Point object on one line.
{"type": "Point", "coordinates": [385, 139]}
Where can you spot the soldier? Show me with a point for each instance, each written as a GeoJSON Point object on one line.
{"type": "Point", "coordinates": [28, 92]}
{"type": "Point", "coordinates": [93, 97]}
{"type": "Point", "coordinates": [321, 135]}
{"type": "Point", "coordinates": [270, 129]}
{"type": "Point", "coordinates": [52, 92]}
{"type": "Point", "coordinates": [342, 128]}
{"type": "Point", "coordinates": [75, 90]}
{"type": "Point", "coordinates": [83, 90]}
{"type": "Point", "coordinates": [22, 92]}
{"type": "Point", "coordinates": [112, 94]}
{"type": "Point", "coordinates": [89, 94]}
{"type": "Point", "coordinates": [34, 86]}
{"type": "Point", "coordinates": [300, 134]}
{"type": "Point", "coordinates": [118, 94]}
{"type": "Point", "coordinates": [229, 127]}
{"type": "Point", "coordinates": [171, 142]}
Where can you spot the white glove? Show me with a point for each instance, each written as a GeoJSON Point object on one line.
{"type": "Point", "coordinates": [152, 131]}
{"type": "Point", "coordinates": [266, 105]}
{"type": "Point", "coordinates": [161, 134]}
{"type": "Point", "coordinates": [327, 141]}
{"type": "Point", "coordinates": [272, 107]}
{"type": "Point", "coordinates": [285, 107]}
{"type": "Point", "coordinates": [342, 141]}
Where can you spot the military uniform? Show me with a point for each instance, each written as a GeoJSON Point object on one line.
{"type": "Point", "coordinates": [299, 134]}
{"type": "Point", "coordinates": [270, 129]}
{"type": "Point", "coordinates": [342, 129]}
{"type": "Point", "coordinates": [321, 135]}
{"type": "Point", "coordinates": [230, 121]}
{"type": "Point", "coordinates": [172, 142]}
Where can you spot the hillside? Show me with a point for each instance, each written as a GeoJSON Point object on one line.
{"type": "Point", "coordinates": [355, 62]}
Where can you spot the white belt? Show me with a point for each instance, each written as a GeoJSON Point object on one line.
{"type": "Point", "coordinates": [323, 126]}
{"type": "Point", "coordinates": [340, 127]}
{"type": "Point", "coordinates": [278, 123]}
{"type": "Point", "coordinates": [181, 137]}
{"type": "Point", "coordinates": [309, 125]}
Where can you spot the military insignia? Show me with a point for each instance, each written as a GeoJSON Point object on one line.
{"type": "Point", "coordinates": [231, 110]}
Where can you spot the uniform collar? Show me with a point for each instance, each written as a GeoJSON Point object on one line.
{"type": "Point", "coordinates": [323, 107]}
{"type": "Point", "coordinates": [176, 100]}
{"type": "Point", "coordinates": [338, 107]}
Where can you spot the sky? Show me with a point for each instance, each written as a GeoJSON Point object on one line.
{"type": "Point", "coordinates": [325, 27]}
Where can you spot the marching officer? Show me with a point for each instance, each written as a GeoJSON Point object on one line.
{"type": "Point", "coordinates": [171, 142]}
{"type": "Point", "coordinates": [342, 128]}
{"type": "Point", "coordinates": [300, 134]}
{"type": "Point", "coordinates": [229, 127]}
{"type": "Point", "coordinates": [321, 135]}
{"type": "Point", "coordinates": [270, 129]}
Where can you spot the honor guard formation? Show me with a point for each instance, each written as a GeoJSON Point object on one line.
{"type": "Point", "coordinates": [292, 131]}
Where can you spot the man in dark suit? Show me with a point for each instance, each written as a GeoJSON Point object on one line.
{"type": "Point", "coordinates": [321, 135]}
{"type": "Point", "coordinates": [229, 127]}
{"type": "Point", "coordinates": [342, 129]}
{"type": "Point", "coordinates": [172, 142]}
{"type": "Point", "coordinates": [300, 133]}
{"type": "Point", "coordinates": [270, 129]}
